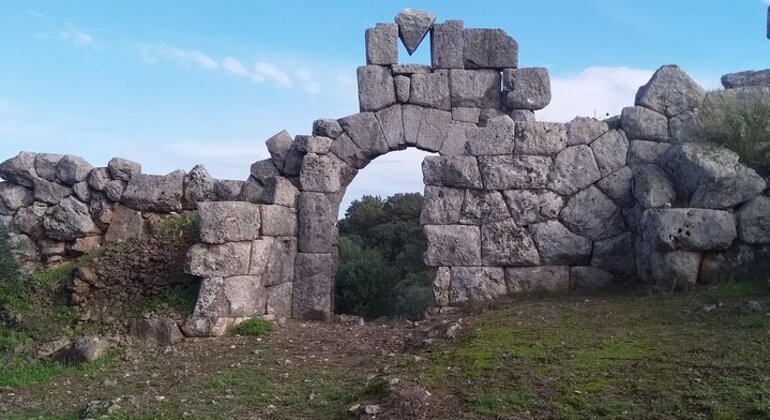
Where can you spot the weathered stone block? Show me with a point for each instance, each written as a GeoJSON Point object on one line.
{"type": "Point", "coordinates": [82, 192]}
{"type": "Point", "coordinates": [476, 284]}
{"type": "Point", "coordinates": [98, 179]}
{"type": "Point", "coordinates": [518, 115]}
{"type": "Point", "coordinates": [375, 88]}
{"type": "Point", "coordinates": [125, 224]}
{"type": "Point", "coordinates": [431, 90]}
{"type": "Point", "coordinates": [280, 191]}
{"type": "Point", "coordinates": [481, 207]}
{"type": "Point", "coordinates": [382, 44]}
{"type": "Point", "coordinates": [14, 197]}
{"type": "Point", "coordinates": [559, 246]}
{"type": "Point", "coordinates": [456, 142]}
{"type": "Point", "coordinates": [641, 123]}
{"type": "Point", "coordinates": [123, 169]}
{"type": "Point", "coordinates": [245, 296]}
{"type": "Point", "coordinates": [313, 286]}
{"type": "Point", "coordinates": [688, 229]}
{"type": "Point", "coordinates": [447, 42]}
{"type": "Point", "coordinates": [527, 88]}
{"type": "Point", "coordinates": [228, 189]}
{"type": "Point", "coordinates": [475, 88]}
{"type": "Point", "coordinates": [69, 220]}
{"type": "Point", "coordinates": [735, 263]}
{"type": "Point", "coordinates": [586, 277]}
{"type": "Point", "coordinates": [674, 270]}
{"type": "Point", "coordinates": [403, 86]}
{"type": "Point", "coordinates": [531, 279]}
{"type": "Point", "coordinates": [325, 173]}
{"type": "Point", "coordinates": [616, 255]}
{"type": "Point", "coordinates": [365, 132]}
{"type": "Point", "coordinates": [452, 245]}
{"type": "Point", "coordinates": [278, 146]}
{"type": "Point", "coordinates": [272, 259]}
{"type": "Point", "coordinates": [507, 172]}
{"type": "Point", "coordinates": [540, 138]}
{"type": "Point", "coordinates": [442, 285]}
{"type": "Point", "coordinates": [574, 169]}
{"type": "Point", "coordinates": [391, 122]}
{"type": "Point", "coordinates": [610, 151]}
{"type": "Point", "coordinates": [313, 144]}
{"type": "Point", "coordinates": [754, 220]}
{"type": "Point", "coordinates": [344, 148]}
{"type": "Point", "coordinates": [279, 299]}
{"type": "Point", "coordinates": [489, 49]}
{"type": "Point", "coordinates": [533, 206]}
{"type": "Point", "coordinates": [316, 222]}
{"type": "Point", "coordinates": [466, 114]}
{"type": "Point", "coordinates": [45, 165]}
{"type": "Point", "coordinates": [686, 127]}
{"type": "Point", "coordinates": [19, 169]}
{"type": "Point", "coordinates": [643, 151]}
{"type": "Point", "coordinates": [503, 244]}
{"type": "Point", "coordinates": [618, 187]}
{"type": "Point", "coordinates": [652, 188]}
{"type": "Point", "coordinates": [591, 214]}
{"type": "Point", "coordinates": [156, 193]}
{"type": "Point", "coordinates": [29, 220]}
{"type": "Point", "coordinates": [493, 136]}
{"type": "Point", "coordinates": [198, 187]}
{"type": "Point", "coordinates": [442, 205]}
{"type": "Point", "coordinates": [278, 221]}
{"type": "Point", "coordinates": [451, 171]}
{"type": "Point", "coordinates": [265, 168]}
{"type": "Point", "coordinates": [412, 119]}
{"type": "Point", "coordinates": [670, 92]}
{"type": "Point", "coordinates": [72, 169]}
{"type": "Point", "coordinates": [219, 260]}
{"type": "Point", "coordinates": [228, 221]}
{"type": "Point", "coordinates": [434, 128]}
{"type": "Point", "coordinates": [584, 130]}
{"type": "Point", "coordinates": [413, 25]}
{"type": "Point", "coordinates": [159, 332]}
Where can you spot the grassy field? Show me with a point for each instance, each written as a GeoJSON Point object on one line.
{"type": "Point", "coordinates": [572, 356]}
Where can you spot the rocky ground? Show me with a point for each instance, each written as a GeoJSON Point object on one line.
{"type": "Point", "coordinates": [698, 355]}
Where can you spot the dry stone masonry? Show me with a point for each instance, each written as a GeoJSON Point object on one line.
{"type": "Point", "coordinates": [511, 205]}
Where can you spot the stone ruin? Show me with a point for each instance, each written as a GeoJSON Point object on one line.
{"type": "Point", "coordinates": [512, 204]}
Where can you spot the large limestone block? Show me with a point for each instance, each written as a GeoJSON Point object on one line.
{"type": "Point", "coordinates": [754, 221]}
{"type": "Point", "coordinates": [494, 136]}
{"type": "Point", "coordinates": [431, 90]}
{"type": "Point", "coordinates": [735, 263]}
{"type": "Point", "coordinates": [228, 221]}
{"type": "Point", "coordinates": [442, 205]}
{"type": "Point", "coordinates": [410, 69]}
{"type": "Point", "coordinates": [745, 79]}
{"type": "Point", "coordinates": [446, 45]}
{"type": "Point", "coordinates": [156, 193]}
{"type": "Point", "coordinates": [158, 332]}
{"type": "Point", "coordinates": [618, 187]}
{"type": "Point", "coordinates": [45, 165]}
{"type": "Point", "coordinates": [365, 132]}
{"type": "Point", "coordinates": [279, 300]}
{"type": "Point", "coordinates": [69, 220]}
{"type": "Point", "coordinates": [125, 224]}
{"type": "Point", "coordinates": [313, 144]}
{"type": "Point", "coordinates": [616, 255]}
{"type": "Point", "coordinates": [476, 284]}
{"type": "Point", "coordinates": [670, 91]}
{"type": "Point", "coordinates": [503, 244]}
{"type": "Point", "coordinates": [482, 207]}
{"type": "Point", "coordinates": [265, 168]}
{"type": "Point", "coordinates": [101, 210]}
{"type": "Point", "coordinates": [434, 128]}
{"type": "Point", "coordinates": [123, 169]}
{"type": "Point", "coordinates": [610, 151]}
{"type": "Point", "coordinates": [245, 296]}
{"type": "Point", "coordinates": [686, 127]}
{"type": "Point", "coordinates": [507, 172]}
{"type": "Point", "coordinates": [198, 187]}
{"type": "Point", "coordinates": [533, 206]}
{"type": "Point", "coordinates": [452, 245]}
{"type": "Point", "coordinates": [382, 44]}
{"type": "Point", "coordinates": [710, 176]}
{"type": "Point", "coordinates": [14, 197]}
{"type": "Point", "coordinates": [413, 25]}
{"type": "Point", "coordinates": [228, 189]}
{"type": "Point", "coordinates": [316, 223]}
{"type": "Point", "coordinates": [273, 259]}
{"type": "Point", "coordinates": [644, 151]}
{"type": "Point", "coordinates": [376, 89]}
{"type": "Point", "coordinates": [559, 246]}
{"type": "Point", "coordinates": [313, 286]}
{"type": "Point", "coordinates": [325, 173]}
{"type": "Point", "coordinates": [82, 192]}
{"type": "Point", "coordinates": [489, 49]}
{"type": "Point", "coordinates": [540, 138]}
{"type": "Point", "coordinates": [591, 214]}
{"type": "Point", "coordinates": [391, 120]}
{"type": "Point", "coordinates": [196, 326]}
{"type": "Point", "coordinates": [574, 169]}
{"type": "Point", "coordinates": [451, 171]}
{"type": "Point", "coordinates": [475, 88]}
{"type": "Point", "coordinates": [403, 86]}
{"type": "Point", "coordinates": [532, 279]}
{"type": "Point", "coordinates": [441, 286]}
{"type": "Point", "coordinates": [688, 229]}
{"type": "Point", "coordinates": [278, 221]}
{"type": "Point", "coordinates": [456, 141]}
{"type": "Point", "coordinates": [278, 146]}
{"type": "Point", "coordinates": [344, 148]}
{"type": "Point", "coordinates": [280, 191]}
{"type": "Point", "coordinates": [327, 127]}
{"type": "Point", "coordinates": [652, 188]}
{"type": "Point", "coordinates": [29, 220]}
{"type": "Point", "coordinates": [527, 88]}
{"type": "Point", "coordinates": [219, 260]}
{"type": "Point", "coordinates": [72, 169]}
{"type": "Point", "coordinates": [99, 179]}
{"type": "Point", "coordinates": [19, 169]}
{"type": "Point", "coordinates": [641, 123]}
{"type": "Point", "coordinates": [412, 119]}
{"type": "Point", "coordinates": [584, 130]}
{"type": "Point", "coordinates": [587, 277]}
{"type": "Point", "coordinates": [466, 114]}
{"type": "Point", "coordinates": [676, 270]}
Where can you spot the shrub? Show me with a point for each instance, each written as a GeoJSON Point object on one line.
{"type": "Point", "coordinates": [254, 327]}
{"type": "Point", "coordinates": [739, 121]}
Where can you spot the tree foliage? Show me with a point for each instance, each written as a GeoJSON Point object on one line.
{"type": "Point", "coordinates": [381, 272]}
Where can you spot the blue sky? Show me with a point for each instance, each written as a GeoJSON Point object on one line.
{"type": "Point", "coordinates": [172, 84]}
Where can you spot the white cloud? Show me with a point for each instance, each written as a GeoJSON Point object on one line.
{"type": "Point", "coordinates": [234, 66]}
{"type": "Point", "coordinates": [77, 38]}
{"type": "Point", "coordinates": [595, 92]}
{"type": "Point", "coordinates": [272, 72]}
{"type": "Point", "coordinates": [310, 85]}
{"type": "Point", "coordinates": [184, 57]}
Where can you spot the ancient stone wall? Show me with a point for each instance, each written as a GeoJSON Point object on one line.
{"type": "Point", "coordinates": [511, 204]}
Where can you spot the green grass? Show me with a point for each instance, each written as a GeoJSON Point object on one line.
{"type": "Point", "coordinates": [179, 298]}
{"type": "Point", "coordinates": [254, 327]}
{"type": "Point", "coordinates": [25, 374]}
